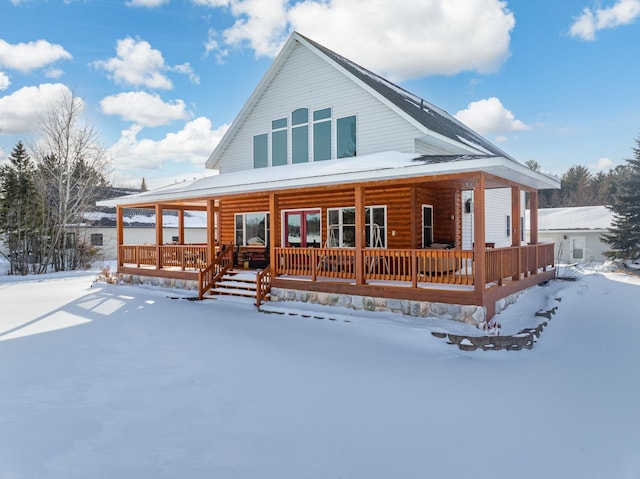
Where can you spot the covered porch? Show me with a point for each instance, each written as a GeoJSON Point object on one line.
{"type": "Point", "coordinates": [397, 257]}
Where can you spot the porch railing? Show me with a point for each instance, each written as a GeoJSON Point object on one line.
{"type": "Point", "coordinates": [263, 285]}
{"type": "Point", "coordinates": [208, 277]}
{"type": "Point", "coordinates": [164, 256]}
{"type": "Point", "coordinates": [516, 262]}
{"type": "Point", "coordinates": [415, 265]}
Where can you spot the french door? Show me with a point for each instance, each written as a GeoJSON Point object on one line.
{"type": "Point", "coordinates": [302, 228]}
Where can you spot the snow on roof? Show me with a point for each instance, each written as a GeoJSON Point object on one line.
{"type": "Point", "coordinates": [378, 166]}
{"type": "Point", "coordinates": [574, 218]}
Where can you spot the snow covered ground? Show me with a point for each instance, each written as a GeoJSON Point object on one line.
{"type": "Point", "coordinates": [103, 381]}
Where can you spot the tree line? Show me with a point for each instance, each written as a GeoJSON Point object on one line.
{"type": "Point", "coordinates": [45, 192]}
{"type": "Point", "coordinates": [579, 187]}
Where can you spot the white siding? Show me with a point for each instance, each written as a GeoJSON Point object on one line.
{"type": "Point", "coordinates": [497, 208]}
{"type": "Point", "coordinates": [306, 80]}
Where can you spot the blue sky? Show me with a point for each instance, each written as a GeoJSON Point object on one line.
{"type": "Point", "coordinates": [555, 82]}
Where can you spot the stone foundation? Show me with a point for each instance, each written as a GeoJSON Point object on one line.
{"type": "Point", "coordinates": [135, 279]}
{"type": "Point", "coordinates": [464, 313]}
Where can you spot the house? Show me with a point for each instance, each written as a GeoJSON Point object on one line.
{"type": "Point", "coordinates": [575, 232]}
{"type": "Point", "coordinates": [350, 190]}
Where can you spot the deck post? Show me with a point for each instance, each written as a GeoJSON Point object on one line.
{"type": "Point", "coordinates": [533, 217]}
{"type": "Point", "coordinates": [158, 235]}
{"type": "Point", "coordinates": [212, 238]}
{"type": "Point", "coordinates": [515, 227]}
{"type": "Point", "coordinates": [360, 235]}
{"type": "Point", "coordinates": [415, 229]}
{"type": "Point", "coordinates": [119, 234]}
{"type": "Point", "coordinates": [479, 249]}
{"type": "Point", "coordinates": [274, 227]}
{"type": "Point", "coordinates": [180, 226]}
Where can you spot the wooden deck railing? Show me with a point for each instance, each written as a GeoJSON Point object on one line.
{"type": "Point", "coordinates": [415, 265]}
{"type": "Point", "coordinates": [164, 256]}
{"type": "Point", "coordinates": [314, 262]}
{"type": "Point", "coordinates": [517, 262]}
{"type": "Point", "coordinates": [208, 277]}
{"type": "Point", "coordinates": [263, 284]}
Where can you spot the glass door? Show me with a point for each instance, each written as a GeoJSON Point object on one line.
{"type": "Point", "coordinates": [302, 229]}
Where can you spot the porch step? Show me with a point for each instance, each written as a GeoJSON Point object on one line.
{"type": "Point", "coordinates": [240, 284]}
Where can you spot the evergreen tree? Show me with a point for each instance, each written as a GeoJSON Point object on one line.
{"type": "Point", "coordinates": [20, 212]}
{"type": "Point", "coordinates": [624, 235]}
{"type": "Point", "coordinates": [143, 185]}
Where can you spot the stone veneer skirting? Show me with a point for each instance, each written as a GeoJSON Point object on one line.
{"type": "Point", "coordinates": [422, 309]}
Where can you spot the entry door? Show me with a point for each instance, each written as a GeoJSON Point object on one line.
{"type": "Point", "coordinates": [302, 228]}
{"type": "Point", "coordinates": [578, 245]}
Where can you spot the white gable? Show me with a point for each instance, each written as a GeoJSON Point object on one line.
{"type": "Point", "coordinates": [301, 77]}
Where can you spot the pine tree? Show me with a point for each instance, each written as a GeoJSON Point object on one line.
{"type": "Point", "coordinates": [624, 235]}
{"type": "Point", "coordinates": [20, 211]}
{"type": "Point", "coordinates": [143, 185]}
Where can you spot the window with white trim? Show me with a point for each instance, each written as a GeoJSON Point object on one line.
{"type": "Point", "coordinates": [252, 229]}
{"type": "Point", "coordinates": [279, 142]}
{"type": "Point", "coordinates": [322, 134]}
{"type": "Point", "coordinates": [427, 225]}
{"type": "Point", "coordinates": [341, 227]}
{"type": "Point", "coordinates": [300, 135]}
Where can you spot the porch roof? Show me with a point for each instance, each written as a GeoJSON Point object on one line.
{"type": "Point", "coordinates": [377, 167]}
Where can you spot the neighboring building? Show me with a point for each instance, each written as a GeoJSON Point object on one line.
{"type": "Point", "coordinates": [575, 232]}
{"type": "Point", "coordinates": [352, 190]}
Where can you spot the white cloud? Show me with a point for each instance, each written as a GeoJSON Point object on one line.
{"type": "Point", "coordinates": [194, 143]}
{"type": "Point", "coordinates": [4, 81]}
{"type": "Point", "coordinates": [146, 3]}
{"type": "Point", "coordinates": [53, 73]}
{"type": "Point", "coordinates": [490, 116]}
{"type": "Point", "coordinates": [20, 112]}
{"type": "Point", "coordinates": [601, 165]}
{"type": "Point", "coordinates": [186, 69]}
{"type": "Point", "coordinates": [213, 46]}
{"type": "Point", "coordinates": [623, 12]}
{"type": "Point", "coordinates": [418, 38]}
{"type": "Point", "coordinates": [25, 57]}
{"type": "Point", "coordinates": [144, 108]}
{"type": "Point", "coordinates": [137, 64]}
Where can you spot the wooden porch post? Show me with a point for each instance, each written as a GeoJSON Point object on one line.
{"type": "Point", "coordinates": [360, 235]}
{"type": "Point", "coordinates": [515, 227]}
{"type": "Point", "coordinates": [274, 227]}
{"type": "Point", "coordinates": [533, 217]}
{"type": "Point", "coordinates": [479, 249]}
{"type": "Point", "coordinates": [119, 234]}
{"type": "Point", "coordinates": [211, 231]}
{"type": "Point", "coordinates": [159, 241]}
{"type": "Point", "coordinates": [180, 226]}
{"type": "Point", "coordinates": [414, 218]}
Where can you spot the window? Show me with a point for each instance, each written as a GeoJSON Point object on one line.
{"type": "Point", "coordinates": [346, 131]}
{"type": "Point", "coordinates": [300, 135]}
{"type": "Point", "coordinates": [308, 136]}
{"type": "Point", "coordinates": [279, 142]}
{"type": "Point", "coordinates": [251, 229]}
{"type": "Point", "coordinates": [341, 228]}
{"type": "Point", "coordinates": [427, 225]}
{"type": "Point", "coordinates": [96, 239]}
{"type": "Point", "coordinates": [260, 151]}
{"type": "Point", "coordinates": [322, 134]}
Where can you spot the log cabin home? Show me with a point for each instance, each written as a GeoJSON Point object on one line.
{"type": "Point", "coordinates": [337, 186]}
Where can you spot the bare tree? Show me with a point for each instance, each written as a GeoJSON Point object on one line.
{"type": "Point", "coordinates": [72, 166]}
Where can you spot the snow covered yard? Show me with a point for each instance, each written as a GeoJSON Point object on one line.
{"type": "Point", "coordinates": [102, 381]}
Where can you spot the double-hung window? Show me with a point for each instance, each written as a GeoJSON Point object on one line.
{"type": "Point", "coordinates": [252, 229]}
